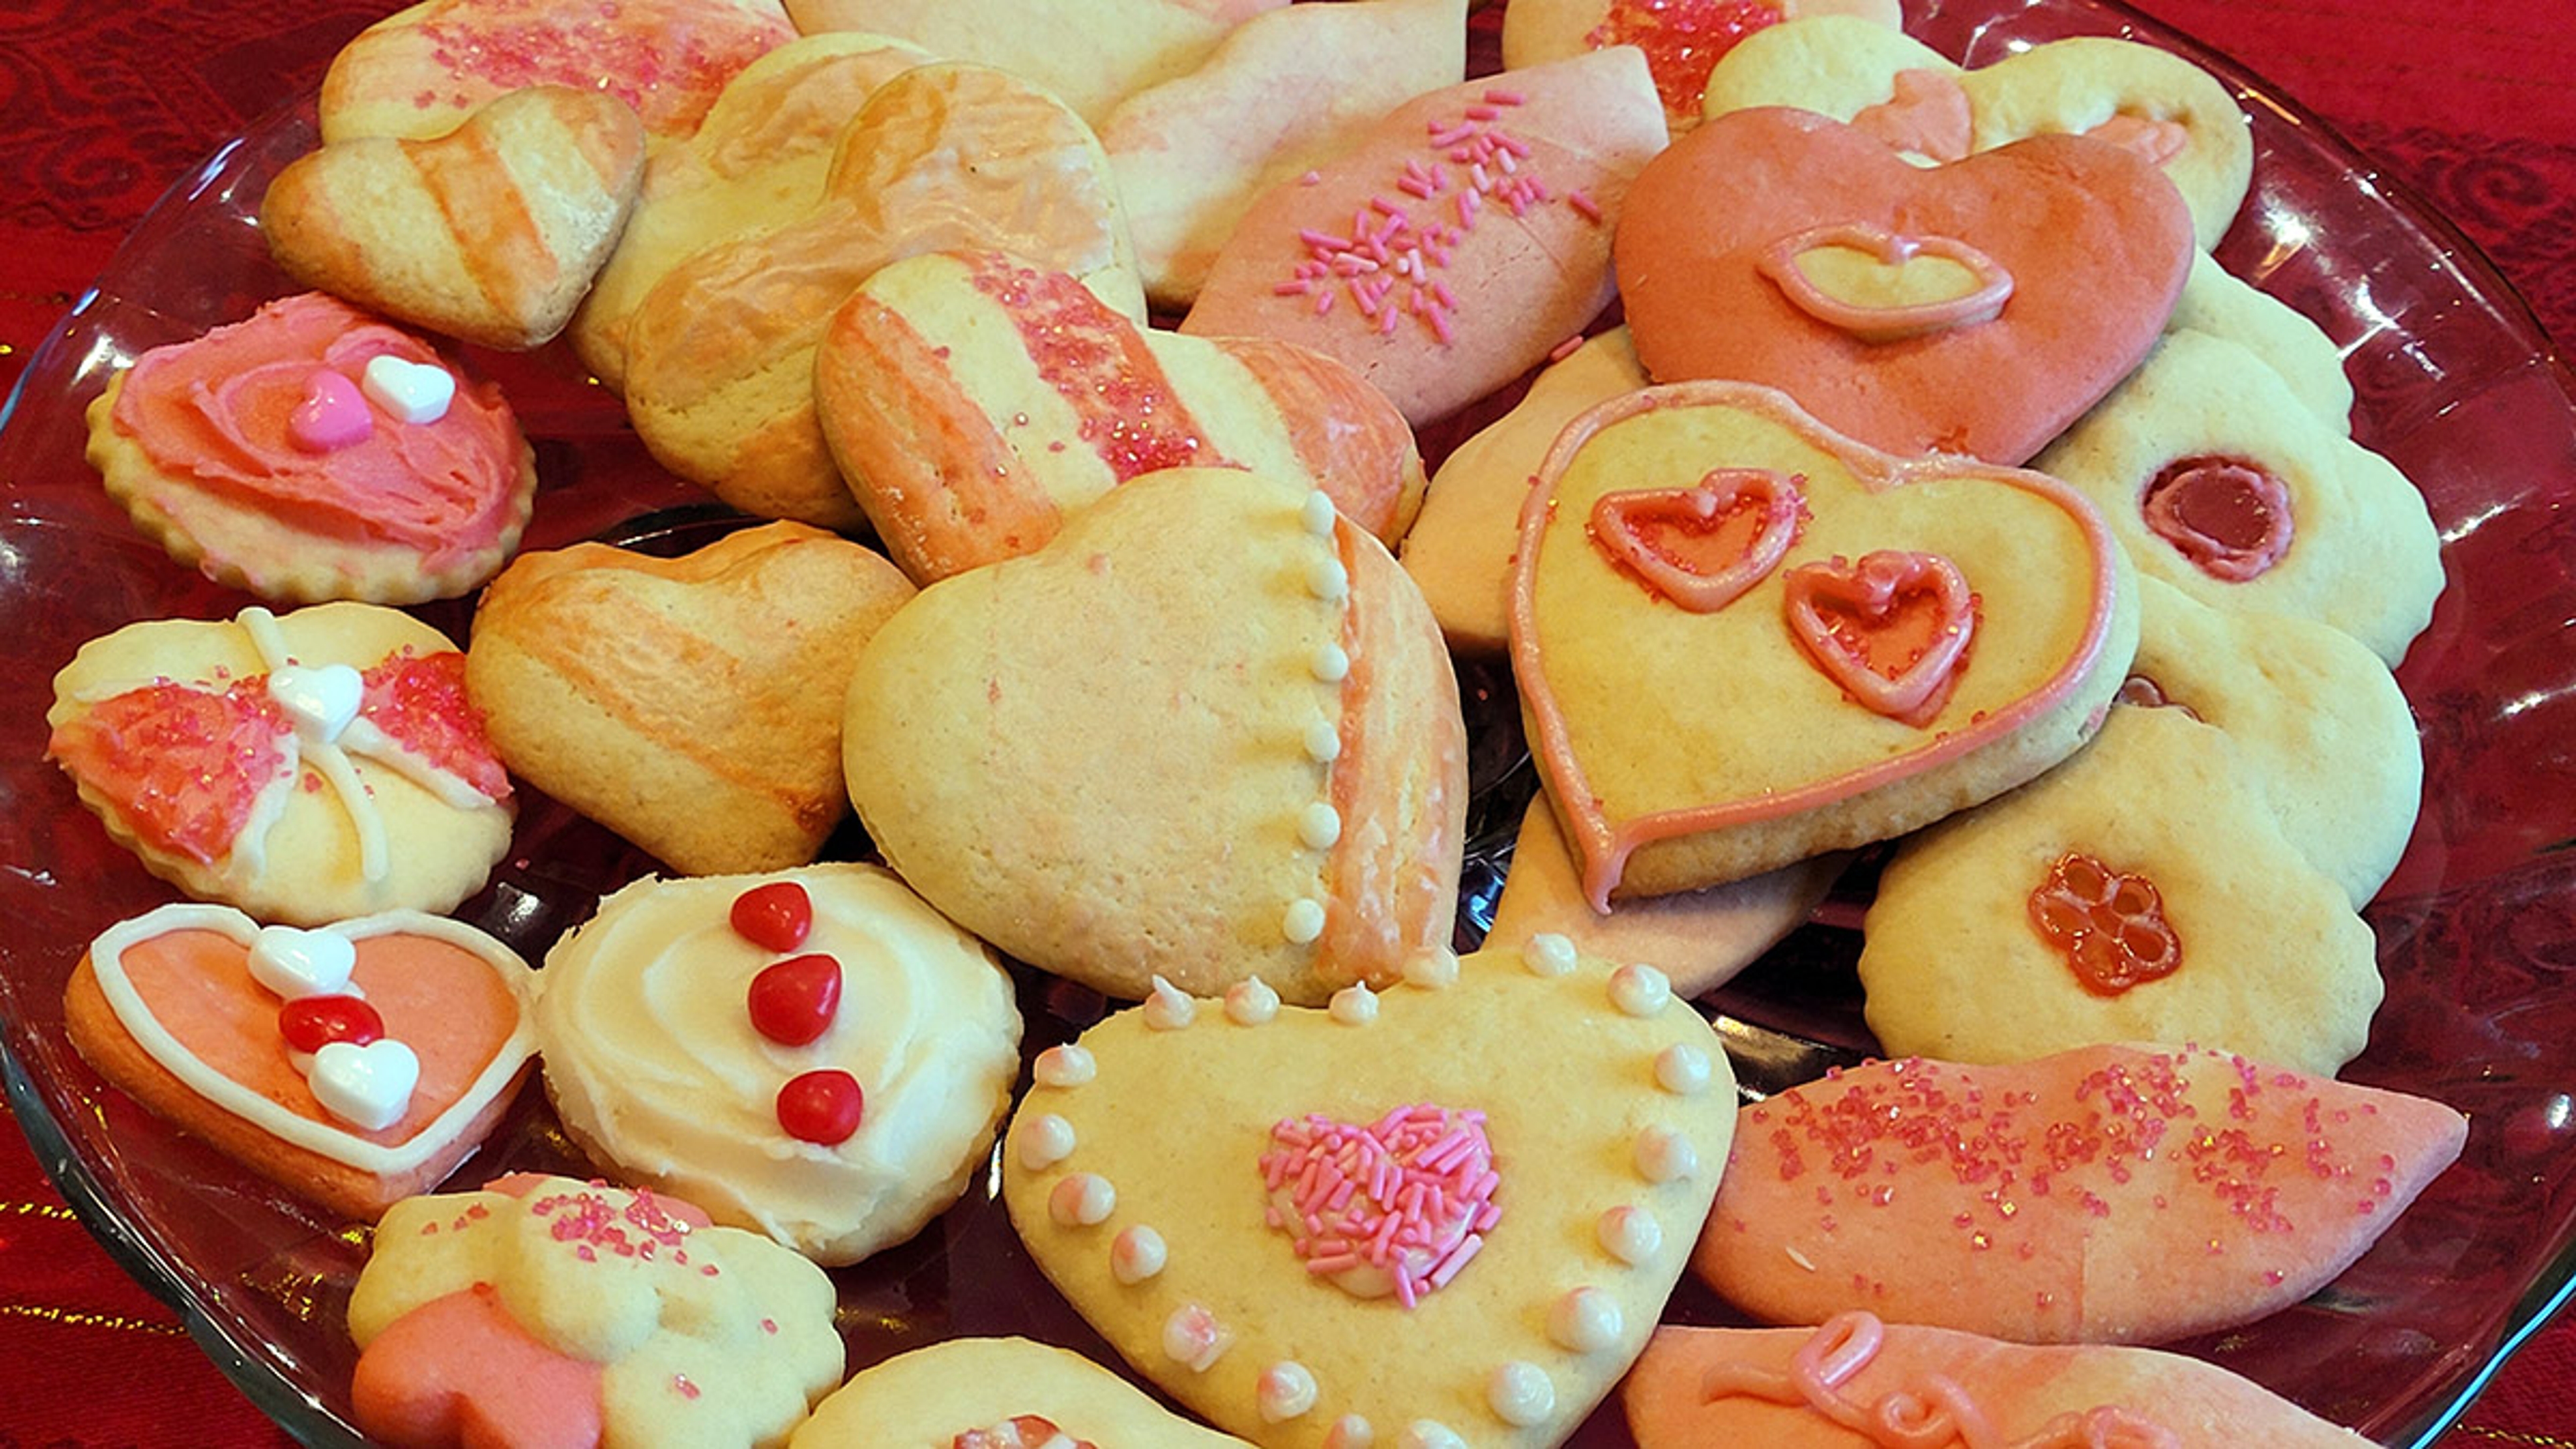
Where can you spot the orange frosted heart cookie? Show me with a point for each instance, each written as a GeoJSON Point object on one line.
{"type": "Point", "coordinates": [1681, 38]}
{"type": "Point", "coordinates": [355, 1064]}
{"type": "Point", "coordinates": [1207, 733]}
{"type": "Point", "coordinates": [314, 452]}
{"type": "Point", "coordinates": [1742, 639]}
{"type": "Point", "coordinates": [1456, 243]}
{"type": "Point", "coordinates": [1831, 1387]}
{"type": "Point", "coordinates": [1780, 247]}
{"type": "Point", "coordinates": [2110, 1194]}
{"type": "Point", "coordinates": [972, 400]}
{"type": "Point", "coordinates": [305, 767]}
{"type": "Point", "coordinates": [542, 1310]}
{"type": "Point", "coordinates": [1357, 1229]}
{"type": "Point", "coordinates": [996, 1393]}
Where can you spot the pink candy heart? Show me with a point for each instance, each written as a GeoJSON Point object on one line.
{"type": "Point", "coordinates": [332, 416]}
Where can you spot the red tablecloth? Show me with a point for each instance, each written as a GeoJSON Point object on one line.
{"type": "Point", "coordinates": [2466, 101]}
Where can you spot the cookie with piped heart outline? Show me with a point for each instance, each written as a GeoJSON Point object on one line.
{"type": "Point", "coordinates": [1743, 639]}
{"type": "Point", "coordinates": [355, 1064]}
{"type": "Point", "coordinates": [1315, 1226]}
{"type": "Point", "coordinates": [996, 1393]}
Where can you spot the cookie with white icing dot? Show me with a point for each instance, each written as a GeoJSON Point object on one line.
{"type": "Point", "coordinates": [1360, 1231]}
{"type": "Point", "coordinates": [996, 1393]}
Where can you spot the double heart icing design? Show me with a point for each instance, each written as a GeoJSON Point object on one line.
{"type": "Point", "coordinates": [1742, 638]}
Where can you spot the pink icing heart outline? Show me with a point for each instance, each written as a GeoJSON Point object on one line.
{"type": "Point", "coordinates": [1618, 517]}
{"type": "Point", "coordinates": [1982, 303]}
{"type": "Point", "coordinates": [1872, 590]}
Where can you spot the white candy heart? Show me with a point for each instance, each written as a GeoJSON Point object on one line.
{"type": "Point", "coordinates": [296, 964]}
{"type": "Point", "coordinates": [368, 1087]}
{"type": "Point", "coordinates": [416, 392]}
{"type": "Point", "coordinates": [320, 699]}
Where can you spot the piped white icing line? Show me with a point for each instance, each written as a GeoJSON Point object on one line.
{"type": "Point", "coordinates": [1435, 969]}
{"type": "Point", "coordinates": [1069, 1065]}
{"type": "Point", "coordinates": [1548, 954]}
{"type": "Point", "coordinates": [368, 1087]}
{"type": "Point", "coordinates": [1194, 1339]}
{"type": "Point", "coordinates": [1285, 1390]}
{"type": "Point", "coordinates": [1046, 1141]}
{"type": "Point", "coordinates": [1169, 1008]}
{"type": "Point", "coordinates": [1323, 742]}
{"type": "Point", "coordinates": [322, 1138]}
{"type": "Point", "coordinates": [1081, 1200]}
{"type": "Point", "coordinates": [1302, 922]}
{"type": "Point", "coordinates": [1585, 1320]}
{"type": "Point", "coordinates": [1682, 1069]}
{"type": "Point", "coordinates": [1520, 1393]}
{"type": "Point", "coordinates": [1640, 990]}
{"type": "Point", "coordinates": [1429, 1434]}
{"type": "Point", "coordinates": [1630, 1234]}
{"type": "Point", "coordinates": [1138, 1253]}
{"type": "Point", "coordinates": [293, 964]}
{"type": "Point", "coordinates": [318, 737]}
{"type": "Point", "coordinates": [1251, 1003]}
{"type": "Point", "coordinates": [1664, 1155]}
{"type": "Point", "coordinates": [1350, 1431]}
{"type": "Point", "coordinates": [1353, 1005]}
{"type": "Point", "coordinates": [1319, 825]}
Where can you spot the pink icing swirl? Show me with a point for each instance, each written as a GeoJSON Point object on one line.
{"type": "Point", "coordinates": [1932, 1413]}
{"type": "Point", "coordinates": [221, 411]}
{"type": "Point", "coordinates": [1397, 1205]}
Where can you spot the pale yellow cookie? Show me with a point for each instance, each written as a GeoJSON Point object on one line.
{"type": "Point", "coordinates": [2215, 302]}
{"type": "Point", "coordinates": [1014, 1392]}
{"type": "Point", "coordinates": [1092, 53]}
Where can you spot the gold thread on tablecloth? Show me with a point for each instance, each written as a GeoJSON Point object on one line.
{"type": "Point", "coordinates": [2508, 1436]}
{"type": "Point", "coordinates": [76, 1318]}
{"type": "Point", "coordinates": [53, 1210]}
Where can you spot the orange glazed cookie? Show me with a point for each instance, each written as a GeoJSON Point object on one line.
{"type": "Point", "coordinates": [355, 1065]}
{"type": "Point", "coordinates": [313, 452]}
{"type": "Point", "coordinates": [2109, 1194]}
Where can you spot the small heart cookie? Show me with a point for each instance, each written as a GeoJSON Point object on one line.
{"type": "Point", "coordinates": [1368, 1227]}
{"type": "Point", "coordinates": [190, 1009]}
{"type": "Point", "coordinates": [1932, 633]}
{"type": "Point", "coordinates": [1205, 734]}
{"type": "Point", "coordinates": [547, 172]}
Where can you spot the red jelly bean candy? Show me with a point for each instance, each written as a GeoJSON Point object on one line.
{"type": "Point", "coordinates": [310, 1023]}
{"type": "Point", "coordinates": [777, 915]}
{"type": "Point", "coordinates": [794, 1001]}
{"type": "Point", "coordinates": [821, 1106]}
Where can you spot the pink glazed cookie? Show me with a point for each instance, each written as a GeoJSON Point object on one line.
{"type": "Point", "coordinates": [2109, 1194]}
{"type": "Point", "coordinates": [1780, 247]}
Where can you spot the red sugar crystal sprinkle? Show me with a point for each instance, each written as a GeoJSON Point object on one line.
{"type": "Point", "coordinates": [419, 702]}
{"type": "Point", "coordinates": [1683, 39]}
{"type": "Point", "coordinates": [1099, 364]}
{"type": "Point", "coordinates": [686, 1390]}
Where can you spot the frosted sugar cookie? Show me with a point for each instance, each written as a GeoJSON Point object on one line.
{"type": "Point", "coordinates": [542, 1310]}
{"type": "Point", "coordinates": [306, 767]}
{"type": "Point", "coordinates": [1208, 733]}
{"type": "Point", "coordinates": [1703, 565]}
{"type": "Point", "coordinates": [314, 452]}
{"type": "Point", "coordinates": [2108, 1194]}
{"type": "Point", "coordinates": [1283, 1262]}
{"type": "Point", "coordinates": [815, 1054]}
{"type": "Point", "coordinates": [2140, 892]}
{"type": "Point", "coordinates": [1681, 38]}
{"type": "Point", "coordinates": [355, 1065]}
{"type": "Point", "coordinates": [996, 1393]}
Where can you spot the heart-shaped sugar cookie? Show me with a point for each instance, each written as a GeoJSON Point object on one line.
{"type": "Point", "coordinates": [1936, 632]}
{"type": "Point", "coordinates": [1208, 732]}
{"type": "Point", "coordinates": [547, 173]}
{"type": "Point", "coordinates": [1366, 1225]}
{"type": "Point", "coordinates": [176, 1007]}
{"type": "Point", "coordinates": [692, 704]}
{"type": "Point", "coordinates": [1757, 249]}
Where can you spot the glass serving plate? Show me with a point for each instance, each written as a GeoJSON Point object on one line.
{"type": "Point", "coordinates": [2455, 383]}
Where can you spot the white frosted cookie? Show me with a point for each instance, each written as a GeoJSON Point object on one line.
{"type": "Point", "coordinates": [2216, 479]}
{"type": "Point", "coordinates": [306, 767]}
{"type": "Point", "coordinates": [995, 1393]}
{"type": "Point", "coordinates": [2317, 718]}
{"type": "Point", "coordinates": [815, 1054]}
{"type": "Point", "coordinates": [1271, 1251]}
{"type": "Point", "coordinates": [2140, 892]}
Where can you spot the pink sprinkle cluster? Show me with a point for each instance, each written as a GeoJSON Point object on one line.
{"type": "Point", "coordinates": [1411, 1194]}
{"type": "Point", "coordinates": [594, 1225]}
{"type": "Point", "coordinates": [1388, 264]}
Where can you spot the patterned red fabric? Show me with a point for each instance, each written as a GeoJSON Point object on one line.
{"type": "Point", "coordinates": [2462, 100]}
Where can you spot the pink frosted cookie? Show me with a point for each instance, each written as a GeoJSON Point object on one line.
{"type": "Point", "coordinates": [545, 1311]}
{"type": "Point", "coordinates": [315, 452]}
{"type": "Point", "coordinates": [1681, 38]}
{"type": "Point", "coordinates": [1350, 1227]}
{"type": "Point", "coordinates": [1207, 733]}
{"type": "Point", "coordinates": [420, 71]}
{"type": "Point", "coordinates": [1780, 247]}
{"type": "Point", "coordinates": [973, 400]}
{"type": "Point", "coordinates": [1797, 1388]}
{"type": "Point", "coordinates": [356, 1064]}
{"type": "Point", "coordinates": [2218, 481]}
{"type": "Point", "coordinates": [1743, 639]}
{"type": "Point", "coordinates": [997, 1393]}
{"type": "Point", "coordinates": [306, 767]}
{"type": "Point", "coordinates": [2140, 892]}
{"type": "Point", "coordinates": [2109, 1194]}
{"type": "Point", "coordinates": [1463, 237]}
